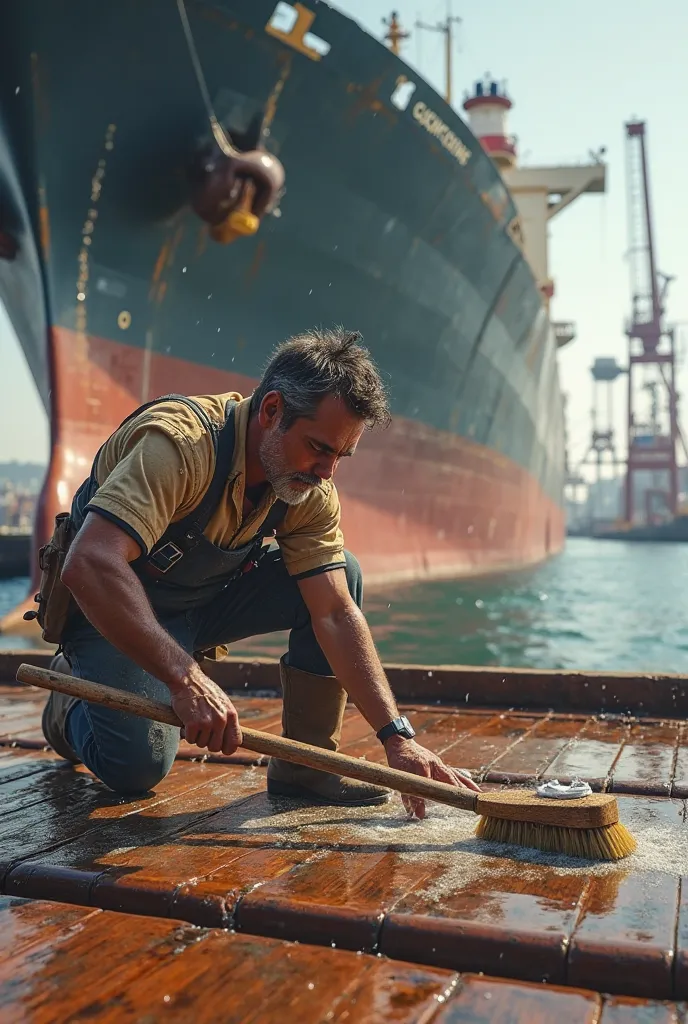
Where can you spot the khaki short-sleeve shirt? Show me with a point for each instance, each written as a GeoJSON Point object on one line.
{"type": "Point", "coordinates": [155, 469]}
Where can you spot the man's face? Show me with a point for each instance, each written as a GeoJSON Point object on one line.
{"type": "Point", "coordinates": [298, 459]}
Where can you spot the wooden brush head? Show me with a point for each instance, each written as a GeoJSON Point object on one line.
{"type": "Point", "coordinates": [592, 811]}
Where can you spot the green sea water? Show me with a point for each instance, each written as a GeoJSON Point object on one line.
{"type": "Point", "coordinates": [600, 605]}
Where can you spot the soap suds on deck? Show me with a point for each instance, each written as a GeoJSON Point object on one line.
{"type": "Point", "coordinates": [455, 857]}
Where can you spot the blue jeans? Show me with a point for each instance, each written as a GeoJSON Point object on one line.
{"type": "Point", "coordinates": [131, 754]}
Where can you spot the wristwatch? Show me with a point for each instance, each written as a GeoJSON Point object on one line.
{"type": "Point", "coordinates": [397, 727]}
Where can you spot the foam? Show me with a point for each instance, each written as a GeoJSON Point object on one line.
{"type": "Point", "coordinates": [455, 857]}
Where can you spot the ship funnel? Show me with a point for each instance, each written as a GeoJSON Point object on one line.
{"type": "Point", "coordinates": [487, 110]}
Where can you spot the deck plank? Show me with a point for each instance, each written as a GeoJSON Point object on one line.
{"type": "Point", "coordinates": [492, 1001]}
{"type": "Point", "coordinates": [646, 763]}
{"type": "Point", "coordinates": [639, 914]}
{"type": "Point", "coordinates": [516, 920]}
{"type": "Point", "coordinates": [593, 753]}
{"type": "Point", "coordinates": [65, 963]}
{"type": "Point", "coordinates": [618, 1010]}
{"type": "Point", "coordinates": [60, 962]}
{"type": "Point", "coordinates": [211, 848]}
{"type": "Point", "coordinates": [540, 747]}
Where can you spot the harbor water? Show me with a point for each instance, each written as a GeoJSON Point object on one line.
{"type": "Point", "coordinates": [600, 605]}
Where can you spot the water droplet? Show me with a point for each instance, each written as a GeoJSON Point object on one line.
{"type": "Point", "coordinates": [212, 355]}
{"type": "Point", "coordinates": [488, 995]}
{"type": "Point", "coordinates": [311, 985]}
{"type": "Point", "coordinates": [183, 270]}
{"type": "Point", "coordinates": [334, 945]}
{"type": "Point", "coordinates": [479, 603]}
{"type": "Point", "coordinates": [165, 999]}
{"type": "Point", "coordinates": [80, 296]}
{"type": "Point", "coordinates": [232, 358]}
{"type": "Point", "coordinates": [167, 349]}
{"type": "Point", "coordinates": [467, 696]}
{"type": "Point", "coordinates": [310, 292]}
{"type": "Point", "coordinates": [210, 296]}
{"type": "Point", "coordinates": [219, 329]}
{"type": "Point", "coordinates": [16, 91]}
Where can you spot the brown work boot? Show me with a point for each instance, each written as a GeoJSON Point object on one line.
{"type": "Point", "coordinates": [55, 714]}
{"type": "Point", "coordinates": [313, 712]}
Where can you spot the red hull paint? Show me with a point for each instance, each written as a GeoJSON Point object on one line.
{"type": "Point", "coordinates": [417, 502]}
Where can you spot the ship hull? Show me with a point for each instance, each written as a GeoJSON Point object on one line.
{"type": "Point", "coordinates": [118, 294]}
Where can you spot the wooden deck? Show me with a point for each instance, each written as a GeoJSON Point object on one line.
{"type": "Point", "coordinates": [219, 875]}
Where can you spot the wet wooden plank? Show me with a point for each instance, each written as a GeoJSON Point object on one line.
{"type": "Point", "coordinates": [681, 957]}
{"type": "Point", "coordinates": [63, 963]}
{"type": "Point", "coordinates": [494, 1001]}
{"type": "Point", "coordinates": [80, 818]}
{"type": "Point", "coordinates": [63, 976]}
{"type": "Point", "coordinates": [646, 762]}
{"type": "Point", "coordinates": [619, 1010]}
{"type": "Point", "coordinates": [280, 982]}
{"type": "Point", "coordinates": [338, 899]}
{"type": "Point", "coordinates": [679, 784]}
{"type": "Point", "coordinates": [625, 939]}
{"type": "Point", "coordinates": [506, 920]}
{"type": "Point", "coordinates": [202, 871]}
{"type": "Point", "coordinates": [441, 733]}
{"type": "Point", "coordinates": [593, 753]}
{"type": "Point", "coordinates": [26, 923]}
{"type": "Point", "coordinates": [434, 728]}
{"type": "Point", "coordinates": [536, 751]}
{"type": "Point", "coordinates": [18, 764]}
{"type": "Point", "coordinates": [498, 735]}
{"type": "Point", "coordinates": [69, 963]}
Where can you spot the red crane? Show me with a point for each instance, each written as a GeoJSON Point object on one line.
{"type": "Point", "coordinates": [651, 445]}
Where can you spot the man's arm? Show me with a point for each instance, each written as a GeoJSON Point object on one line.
{"type": "Point", "coordinates": [111, 596]}
{"type": "Point", "coordinates": [343, 633]}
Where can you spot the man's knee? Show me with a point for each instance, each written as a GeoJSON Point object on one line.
{"type": "Point", "coordinates": [125, 780]}
{"type": "Point", "coordinates": [354, 578]}
{"type": "Point", "coordinates": [139, 763]}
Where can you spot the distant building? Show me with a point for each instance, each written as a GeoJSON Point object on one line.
{"type": "Point", "coordinates": [20, 486]}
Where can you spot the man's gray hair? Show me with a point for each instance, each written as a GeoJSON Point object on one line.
{"type": "Point", "coordinates": [311, 366]}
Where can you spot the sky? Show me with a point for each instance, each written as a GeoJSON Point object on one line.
{"type": "Point", "coordinates": [576, 74]}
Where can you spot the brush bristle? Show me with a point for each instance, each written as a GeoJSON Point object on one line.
{"type": "Point", "coordinates": [610, 842]}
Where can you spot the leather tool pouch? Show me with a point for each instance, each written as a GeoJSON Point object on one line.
{"type": "Point", "coordinates": [53, 598]}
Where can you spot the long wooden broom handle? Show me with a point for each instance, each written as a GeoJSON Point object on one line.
{"type": "Point", "coordinates": [262, 742]}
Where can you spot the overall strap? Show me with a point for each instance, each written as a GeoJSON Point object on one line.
{"type": "Point", "coordinates": [193, 525]}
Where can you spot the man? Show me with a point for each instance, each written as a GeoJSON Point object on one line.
{"type": "Point", "coordinates": [175, 511]}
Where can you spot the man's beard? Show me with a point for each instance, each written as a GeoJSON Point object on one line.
{"type": "Point", "coordinates": [282, 481]}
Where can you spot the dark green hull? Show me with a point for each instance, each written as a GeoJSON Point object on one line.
{"type": "Point", "coordinates": [117, 293]}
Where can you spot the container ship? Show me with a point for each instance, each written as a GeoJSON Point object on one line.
{"type": "Point", "coordinates": [183, 184]}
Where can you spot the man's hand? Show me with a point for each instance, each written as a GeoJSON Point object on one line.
{"type": "Point", "coordinates": [210, 719]}
{"type": "Point", "coordinates": [409, 756]}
